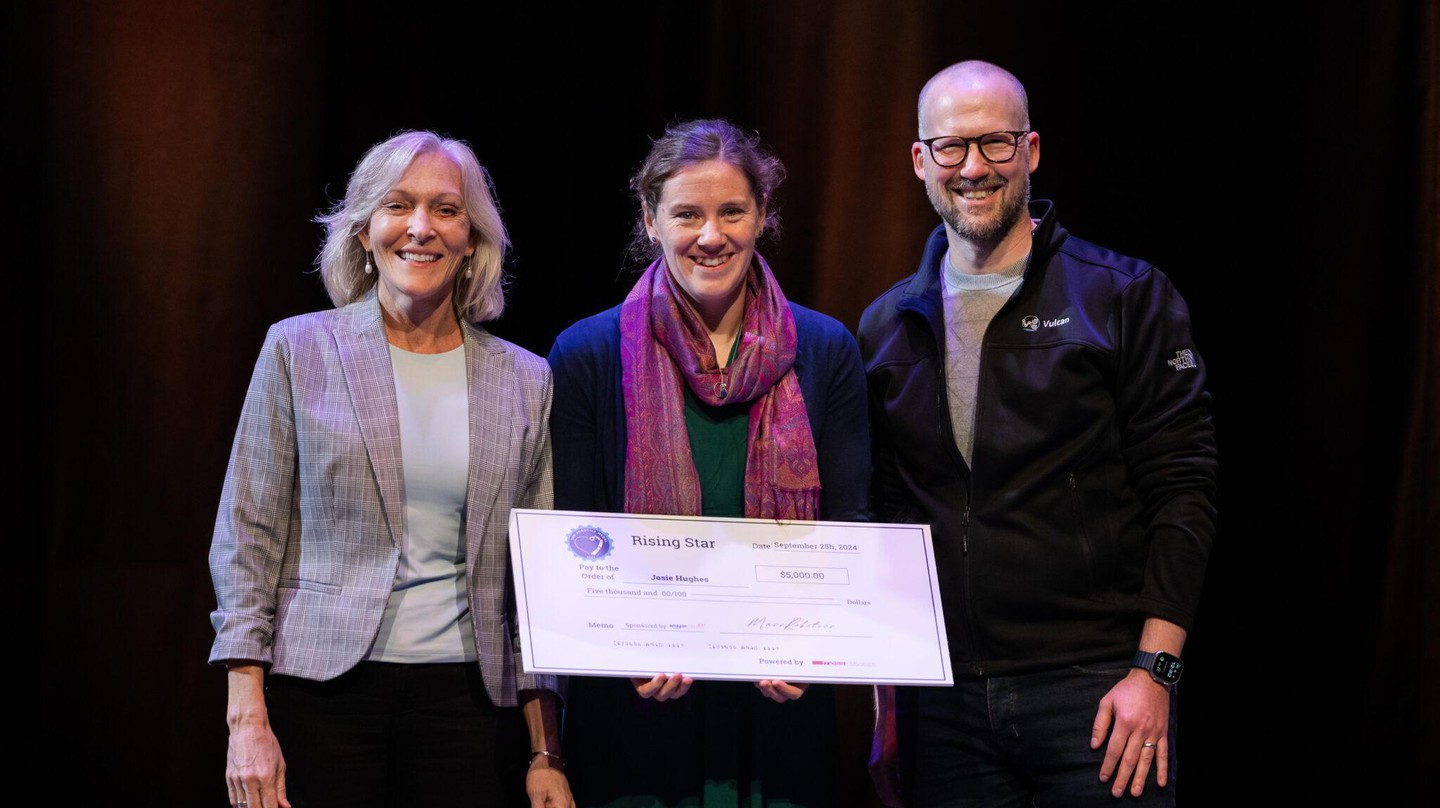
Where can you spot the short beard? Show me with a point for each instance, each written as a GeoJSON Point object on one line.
{"type": "Point", "coordinates": [987, 231]}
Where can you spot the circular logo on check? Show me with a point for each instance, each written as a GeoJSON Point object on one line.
{"type": "Point", "coordinates": [590, 543]}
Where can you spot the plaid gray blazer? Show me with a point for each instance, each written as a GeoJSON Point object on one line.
{"type": "Point", "coordinates": [312, 512]}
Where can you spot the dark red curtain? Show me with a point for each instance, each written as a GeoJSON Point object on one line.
{"type": "Point", "coordinates": [1400, 701]}
{"type": "Point", "coordinates": [1279, 164]}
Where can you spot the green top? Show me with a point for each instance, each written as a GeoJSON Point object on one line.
{"type": "Point", "coordinates": [718, 446]}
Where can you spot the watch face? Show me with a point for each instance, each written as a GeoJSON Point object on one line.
{"type": "Point", "coordinates": [1168, 667]}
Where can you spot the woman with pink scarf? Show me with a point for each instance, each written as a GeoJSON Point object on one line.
{"type": "Point", "coordinates": [706, 392]}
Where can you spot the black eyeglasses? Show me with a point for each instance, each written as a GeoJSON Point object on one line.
{"type": "Point", "coordinates": [949, 151]}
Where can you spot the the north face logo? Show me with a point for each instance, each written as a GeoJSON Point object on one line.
{"type": "Point", "coordinates": [1183, 359]}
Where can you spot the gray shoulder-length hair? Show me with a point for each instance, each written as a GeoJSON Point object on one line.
{"type": "Point", "coordinates": [342, 258]}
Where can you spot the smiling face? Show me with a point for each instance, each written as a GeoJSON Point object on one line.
{"type": "Point", "coordinates": [981, 202]}
{"type": "Point", "coordinates": [707, 221]}
{"type": "Point", "coordinates": [420, 234]}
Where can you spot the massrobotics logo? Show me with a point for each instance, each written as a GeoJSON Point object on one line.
{"type": "Point", "coordinates": [589, 542]}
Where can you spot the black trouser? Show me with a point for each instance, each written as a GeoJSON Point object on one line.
{"type": "Point", "coordinates": [388, 735]}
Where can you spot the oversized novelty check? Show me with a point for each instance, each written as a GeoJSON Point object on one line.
{"type": "Point", "coordinates": [715, 598]}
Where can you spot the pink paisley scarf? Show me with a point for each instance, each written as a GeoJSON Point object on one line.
{"type": "Point", "coordinates": [664, 343]}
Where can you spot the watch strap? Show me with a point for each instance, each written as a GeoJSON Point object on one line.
{"type": "Point", "coordinates": [1164, 668]}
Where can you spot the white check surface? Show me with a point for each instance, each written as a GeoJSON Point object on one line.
{"type": "Point", "coordinates": [713, 598]}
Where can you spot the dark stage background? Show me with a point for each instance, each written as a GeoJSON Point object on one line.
{"type": "Point", "coordinates": [1281, 168]}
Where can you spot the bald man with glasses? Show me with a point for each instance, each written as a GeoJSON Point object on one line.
{"type": "Point", "coordinates": [1039, 401]}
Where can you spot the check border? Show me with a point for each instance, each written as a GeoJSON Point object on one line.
{"type": "Point", "coordinates": [535, 578]}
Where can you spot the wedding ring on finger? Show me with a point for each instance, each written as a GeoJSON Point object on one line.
{"type": "Point", "coordinates": [1146, 745]}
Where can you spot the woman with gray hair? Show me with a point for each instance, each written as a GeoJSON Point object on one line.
{"type": "Point", "coordinates": [360, 556]}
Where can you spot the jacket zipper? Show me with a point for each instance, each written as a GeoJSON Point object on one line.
{"type": "Point", "coordinates": [1082, 529]}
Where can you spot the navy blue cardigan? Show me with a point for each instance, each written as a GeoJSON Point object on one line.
{"type": "Point", "coordinates": [587, 419]}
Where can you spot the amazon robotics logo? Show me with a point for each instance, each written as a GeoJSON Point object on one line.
{"type": "Point", "coordinates": [589, 543]}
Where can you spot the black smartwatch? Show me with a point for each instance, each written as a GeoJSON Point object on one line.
{"type": "Point", "coordinates": [1162, 667]}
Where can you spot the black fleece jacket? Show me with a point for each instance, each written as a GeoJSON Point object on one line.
{"type": "Point", "coordinates": [1091, 501]}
